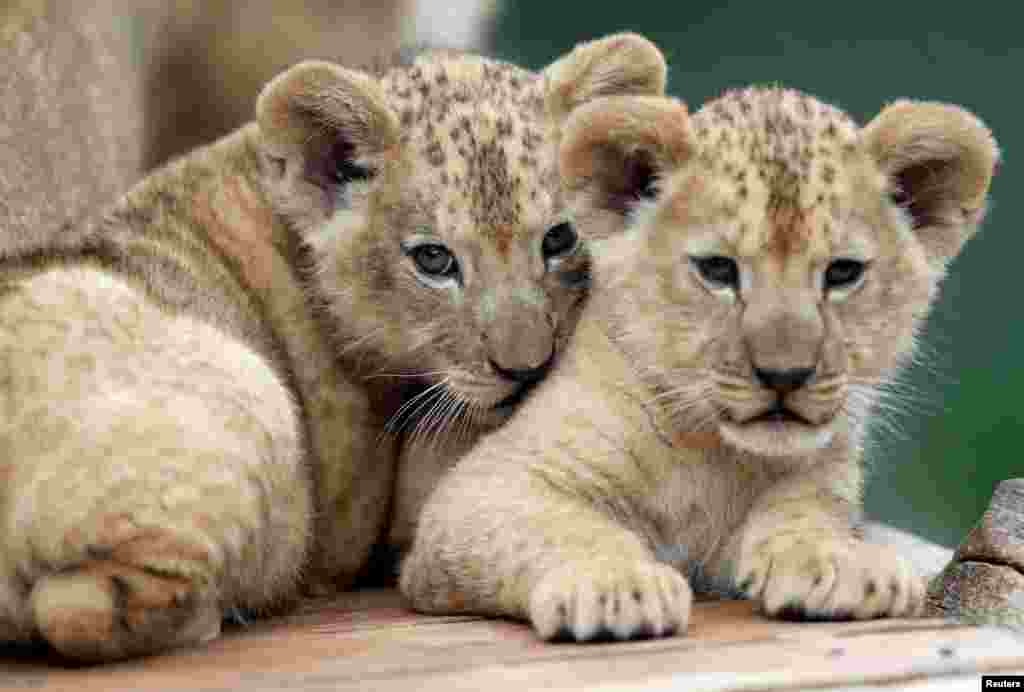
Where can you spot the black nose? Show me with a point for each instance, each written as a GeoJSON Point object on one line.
{"type": "Point", "coordinates": [525, 375]}
{"type": "Point", "coordinates": [784, 381]}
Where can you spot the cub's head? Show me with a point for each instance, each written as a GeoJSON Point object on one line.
{"type": "Point", "coordinates": [777, 259]}
{"type": "Point", "coordinates": [429, 197]}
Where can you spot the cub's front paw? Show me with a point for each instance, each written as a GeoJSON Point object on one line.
{"type": "Point", "coordinates": [830, 579]}
{"type": "Point", "coordinates": [585, 601]}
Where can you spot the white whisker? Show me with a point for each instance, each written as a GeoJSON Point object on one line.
{"type": "Point", "coordinates": [430, 424]}
{"type": "Point", "coordinates": [408, 410]}
{"type": "Point", "coordinates": [407, 375]}
{"type": "Point", "coordinates": [354, 344]}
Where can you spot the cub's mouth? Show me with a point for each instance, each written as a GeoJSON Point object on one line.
{"type": "Point", "coordinates": [779, 414]}
{"type": "Point", "coordinates": [778, 431]}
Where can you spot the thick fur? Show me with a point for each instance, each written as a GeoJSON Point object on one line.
{"type": "Point", "coordinates": [71, 123]}
{"type": "Point", "coordinates": [200, 389]}
{"type": "Point", "coordinates": [646, 464]}
{"type": "Point", "coordinates": [463, 156]}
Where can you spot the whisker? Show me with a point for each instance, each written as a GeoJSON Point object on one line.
{"type": "Point", "coordinates": [470, 421]}
{"type": "Point", "coordinates": [416, 398]}
{"type": "Point", "coordinates": [407, 411]}
{"type": "Point", "coordinates": [447, 428]}
{"type": "Point", "coordinates": [476, 412]}
{"type": "Point", "coordinates": [676, 392]}
{"type": "Point", "coordinates": [408, 375]}
{"type": "Point", "coordinates": [427, 420]}
{"type": "Point", "coordinates": [356, 343]}
{"type": "Point", "coordinates": [463, 431]}
{"type": "Point", "coordinates": [444, 417]}
{"type": "Point", "coordinates": [896, 395]}
{"type": "Point", "coordinates": [871, 412]}
{"type": "Point", "coordinates": [430, 424]}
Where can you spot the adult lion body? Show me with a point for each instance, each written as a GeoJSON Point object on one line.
{"type": "Point", "coordinates": [198, 389]}
{"type": "Point", "coordinates": [767, 268]}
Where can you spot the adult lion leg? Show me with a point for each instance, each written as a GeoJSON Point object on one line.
{"type": "Point", "coordinates": [156, 475]}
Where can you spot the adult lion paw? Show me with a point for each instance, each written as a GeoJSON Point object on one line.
{"type": "Point", "coordinates": [609, 600]}
{"type": "Point", "coordinates": [830, 579]}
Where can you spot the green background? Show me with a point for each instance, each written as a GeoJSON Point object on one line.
{"type": "Point", "coordinates": [962, 431]}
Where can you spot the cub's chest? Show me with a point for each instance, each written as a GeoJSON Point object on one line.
{"type": "Point", "coordinates": [699, 504]}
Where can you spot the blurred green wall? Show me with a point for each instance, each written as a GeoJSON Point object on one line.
{"type": "Point", "coordinates": [962, 432]}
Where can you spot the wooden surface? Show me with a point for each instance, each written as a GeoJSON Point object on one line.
{"type": "Point", "coordinates": [370, 641]}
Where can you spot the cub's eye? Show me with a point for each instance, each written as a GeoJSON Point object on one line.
{"type": "Point", "coordinates": [435, 260]}
{"type": "Point", "coordinates": [345, 171]}
{"type": "Point", "coordinates": [718, 270]}
{"type": "Point", "coordinates": [559, 239]}
{"type": "Point", "coordinates": [843, 273]}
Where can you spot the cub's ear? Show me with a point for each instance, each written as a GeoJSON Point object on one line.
{"type": "Point", "coordinates": [940, 160]}
{"type": "Point", "coordinates": [619, 64]}
{"type": "Point", "coordinates": [613, 152]}
{"type": "Point", "coordinates": [325, 125]}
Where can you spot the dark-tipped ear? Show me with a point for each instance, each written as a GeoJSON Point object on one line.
{"type": "Point", "coordinates": [619, 64]}
{"type": "Point", "coordinates": [940, 160]}
{"type": "Point", "coordinates": [613, 151]}
{"type": "Point", "coordinates": [325, 124]}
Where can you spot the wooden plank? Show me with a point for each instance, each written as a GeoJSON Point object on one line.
{"type": "Point", "coordinates": [369, 640]}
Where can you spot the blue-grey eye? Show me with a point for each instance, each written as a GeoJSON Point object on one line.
{"type": "Point", "coordinates": [843, 273]}
{"type": "Point", "coordinates": [718, 270]}
{"type": "Point", "coordinates": [560, 239]}
{"type": "Point", "coordinates": [435, 260]}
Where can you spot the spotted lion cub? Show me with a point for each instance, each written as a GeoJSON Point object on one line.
{"type": "Point", "coordinates": [772, 267]}
{"type": "Point", "coordinates": [198, 390]}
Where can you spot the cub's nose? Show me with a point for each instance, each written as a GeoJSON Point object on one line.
{"type": "Point", "coordinates": [525, 375]}
{"type": "Point", "coordinates": [784, 381]}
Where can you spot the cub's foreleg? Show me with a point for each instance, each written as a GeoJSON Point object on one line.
{"type": "Point", "coordinates": [537, 545]}
{"type": "Point", "coordinates": [799, 556]}
{"type": "Point", "coordinates": [152, 468]}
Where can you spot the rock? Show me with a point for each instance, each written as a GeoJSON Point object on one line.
{"type": "Point", "coordinates": [977, 589]}
{"type": "Point", "coordinates": [999, 536]}
{"type": "Point", "coordinates": [985, 580]}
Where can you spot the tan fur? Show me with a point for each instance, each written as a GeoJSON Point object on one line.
{"type": "Point", "coordinates": [462, 154]}
{"type": "Point", "coordinates": [71, 123]}
{"type": "Point", "coordinates": [642, 458]}
{"type": "Point", "coordinates": [198, 388]}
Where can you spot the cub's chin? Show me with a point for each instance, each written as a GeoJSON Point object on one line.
{"type": "Point", "coordinates": [778, 435]}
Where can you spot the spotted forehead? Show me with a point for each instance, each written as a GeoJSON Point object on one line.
{"type": "Point", "coordinates": [785, 169]}
{"type": "Point", "coordinates": [475, 133]}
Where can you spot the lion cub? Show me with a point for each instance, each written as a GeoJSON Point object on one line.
{"type": "Point", "coordinates": [772, 267]}
{"type": "Point", "coordinates": [198, 390]}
